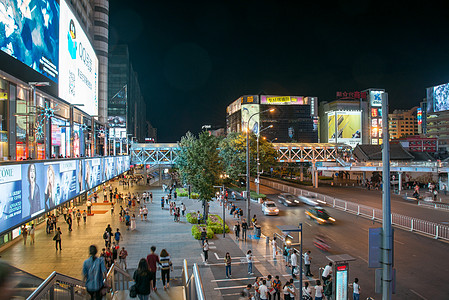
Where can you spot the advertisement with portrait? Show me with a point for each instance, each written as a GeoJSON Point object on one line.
{"type": "Point", "coordinates": [92, 173]}
{"type": "Point", "coordinates": [349, 127]}
{"type": "Point", "coordinates": [438, 97]}
{"type": "Point", "coordinates": [78, 70]}
{"type": "Point", "coordinates": [33, 184]}
{"type": "Point", "coordinates": [11, 200]}
{"type": "Point", "coordinates": [31, 34]}
{"type": "Point", "coordinates": [108, 168]}
{"type": "Point", "coordinates": [249, 110]}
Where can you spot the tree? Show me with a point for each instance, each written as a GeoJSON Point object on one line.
{"type": "Point", "coordinates": [233, 153]}
{"type": "Point", "coordinates": [199, 164]}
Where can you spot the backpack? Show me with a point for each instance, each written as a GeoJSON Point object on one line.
{"type": "Point", "coordinates": [105, 235]}
{"type": "Point", "coordinates": [285, 253]}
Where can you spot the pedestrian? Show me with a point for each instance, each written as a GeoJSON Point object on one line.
{"type": "Point", "coordinates": [306, 291]}
{"type": "Point", "coordinates": [133, 222]}
{"type": "Point", "coordinates": [152, 260]}
{"type": "Point", "coordinates": [327, 272]}
{"type": "Point", "coordinates": [112, 208]}
{"type": "Point", "coordinates": [318, 290]}
{"type": "Point", "coordinates": [162, 202]}
{"type": "Point", "coordinates": [151, 197]}
{"type": "Point", "coordinates": [183, 209]}
{"type": "Point", "coordinates": [64, 212]}
{"type": "Point", "coordinates": [291, 289]}
{"type": "Point", "coordinates": [206, 250]}
{"type": "Point", "coordinates": [89, 207]}
{"type": "Point", "coordinates": [246, 293]}
{"type": "Point", "coordinates": [117, 236]}
{"type": "Point", "coordinates": [57, 238]}
{"type": "Point", "coordinates": [356, 289]}
{"type": "Point", "coordinates": [141, 213]}
{"type": "Point", "coordinates": [106, 238]}
{"type": "Point", "coordinates": [122, 258]}
{"type": "Point", "coordinates": [244, 229]}
{"type": "Point", "coordinates": [256, 286]}
{"type": "Point", "coordinates": [32, 233]}
{"type": "Point", "coordinates": [94, 271]}
{"type": "Point", "coordinates": [286, 291]}
{"type": "Point", "coordinates": [145, 212]}
{"type": "Point", "coordinates": [307, 260]}
{"type": "Point", "coordinates": [84, 216]}
{"type": "Point", "coordinates": [198, 217]}
{"type": "Point", "coordinates": [285, 255]}
{"type": "Point", "coordinates": [127, 221]}
{"type": "Point", "coordinates": [105, 197]}
{"type": "Point", "coordinates": [78, 217]}
{"type": "Point", "coordinates": [203, 234]}
{"type": "Point", "coordinates": [294, 262]}
{"type": "Point", "coordinates": [274, 247]}
{"type": "Point", "coordinates": [166, 266]}
{"type": "Point", "coordinates": [249, 259]}
{"type": "Point", "coordinates": [328, 289]}
{"type": "Point", "coordinates": [142, 278]}
{"type": "Point", "coordinates": [48, 228]}
{"type": "Point", "coordinates": [69, 222]}
{"type": "Point", "coordinates": [263, 290]}
{"type": "Point", "coordinates": [24, 234]}
{"type": "Point", "coordinates": [277, 288]}
{"type": "Point", "coordinates": [269, 285]}
{"type": "Point", "coordinates": [228, 261]}
{"type": "Point", "coordinates": [175, 195]}
{"type": "Point", "coordinates": [237, 231]}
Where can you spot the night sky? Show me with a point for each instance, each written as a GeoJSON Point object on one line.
{"type": "Point", "coordinates": [194, 58]}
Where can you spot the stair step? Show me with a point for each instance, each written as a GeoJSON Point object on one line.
{"type": "Point", "coordinates": [173, 293]}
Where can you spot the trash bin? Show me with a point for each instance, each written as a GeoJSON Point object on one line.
{"type": "Point", "coordinates": [257, 231]}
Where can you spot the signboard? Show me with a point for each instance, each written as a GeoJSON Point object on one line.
{"type": "Point", "coordinates": [78, 70]}
{"type": "Point", "coordinates": [419, 115]}
{"type": "Point", "coordinates": [30, 34]}
{"type": "Point", "coordinates": [282, 100]}
{"type": "Point", "coordinates": [438, 97]}
{"type": "Point", "coordinates": [376, 98]}
{"type": "Point", "coordinates": [351, 95]}
{"type": "Point", "coordinates": [31, 189]}
{"type": "Point", "coordinates": [249, 110]}
{"type": "Point", "coordinates": [341, 281]}
{"type": "Point", "coordinates": [349, 127]}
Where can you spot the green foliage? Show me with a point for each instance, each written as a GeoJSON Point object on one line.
{"type": "Point", "coordinates": [215, 223]}
{"type": "Point", "coordinates": [183, 192]}
{"type": "Point", "coordinates": [325, 178]}
{"type": "Point", "coordinates": [233, 153]}
{"type": "Point", "coordinates": [191, 218]}
{"type": "Point", "coordinates": [196, 232]}
{"type": "Point", "coordinates": [253, 194]}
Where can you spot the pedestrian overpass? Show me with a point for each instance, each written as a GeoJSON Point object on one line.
{"type": "Point", "coordinates": [167, 153]}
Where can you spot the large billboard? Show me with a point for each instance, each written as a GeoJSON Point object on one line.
{"type": "Point", "coordinates": [78, 71]}
{"type": "Point", "coordinates": [438, 97]}
{"type": "Point", "coordinates": [348, 127]}
{"type": "Point", "coordinates": [29, 32]}
{"type": "Point", "coordinates": [251, 111]}
{"type": "Point", "coordinates": [282, 100]}
{"type": "Point", "coordinates": [31, 189]}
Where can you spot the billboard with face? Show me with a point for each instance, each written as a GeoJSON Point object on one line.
{"type": "Point", "coordinates": [438, 98]}
{"type": "Point", "coordinates": [249, 110]}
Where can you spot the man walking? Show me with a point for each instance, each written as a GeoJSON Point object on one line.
{"type": "Point", "coordinates": [152, 260]}
{"type": "Point", "coordinates": [294, 263]}
{"type": "Point", "coordinates": [307, 260]}
{"type": "Point", "coordinates": [237, 230]}
{"type": "Point", "coordinates": [206, 251]}
{"type": "Point", "coordinates": [244, 229]}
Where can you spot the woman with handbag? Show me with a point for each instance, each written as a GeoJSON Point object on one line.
{"type": "Point", "coordinates": [166, 265]}
{"type": "Point", "coordinates": [94, 271]}
{"type": "Point", "coordinates": [142, 277]}
{"type": "Point", "coordinates": [306, 291]}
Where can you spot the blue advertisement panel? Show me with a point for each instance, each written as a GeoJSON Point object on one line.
{"type": "Point", "coordinates": [11, 200]}
{"type": "Point", "coordinates": [29, 32]}
{"type": "Point", "coordinates": [32, 185]}
{"type": "Point", "coordinates": [93, 172]}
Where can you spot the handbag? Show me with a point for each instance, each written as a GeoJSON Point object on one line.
{"type": "Point", "coordinates": [133, 291]}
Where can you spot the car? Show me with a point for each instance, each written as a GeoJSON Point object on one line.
{"type": "Point", "coordinates": [270, 208]}
{"type": "Point", "coordinates": [309, 200]}
{"type": "Point", "coordinates": [318, 214]}
{"type": "Point", "coordinates": [288, 199]}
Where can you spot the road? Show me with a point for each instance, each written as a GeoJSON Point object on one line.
{"type": "Point", "coordinates": [419, 261]}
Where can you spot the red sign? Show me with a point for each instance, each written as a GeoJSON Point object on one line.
{"type": "Point", "coordinates": [342, 268]}
{"type": "Point", "coordinates": [351, 95]}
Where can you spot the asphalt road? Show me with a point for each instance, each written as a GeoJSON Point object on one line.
{"type": "Point", "coordinates": [373, 198]}
{"type": "Point", "coordinates": [420, 261]}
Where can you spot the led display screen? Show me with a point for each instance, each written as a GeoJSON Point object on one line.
{"type": "Point", "coordinates": [349, 127]}
{"type": "Point", "coordinates": [341, 283]}
{"type": "Point", "coordinates": [282, 100]}
{"type": "Point", "coordinates": [31, 189]}
{"type": "Point", "coordinates": [29, 32]}
{"type": "Point", "coordinates": [438, 97]}
{"type": "Point", "coordinates": [78, 70]}
{"type": "Point", "coordinates": [375, 98]}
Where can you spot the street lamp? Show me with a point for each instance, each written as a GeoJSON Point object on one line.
{"type": "Point", "coordinates": [248, 192]}
{"type": "Point", "coordinates": [258, 163]}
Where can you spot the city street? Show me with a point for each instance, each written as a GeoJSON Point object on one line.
{"type": "Point", "coordinates": [417, 258]}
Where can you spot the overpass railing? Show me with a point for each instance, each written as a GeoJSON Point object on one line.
{"type": "Point", "coordinates": [193, 285]}
{"type": "Point", "coordinates": [428, 228]}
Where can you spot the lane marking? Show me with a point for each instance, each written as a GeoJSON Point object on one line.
{"type": "Point", "coordinates": [212, 247]}
{"type": "Point", "coordinates": [230, 287]}
{"type": "Point", "coordinates": [233, 263]}
{"type": "Point", "coordinates": [216, 255]}
{"type": "Point", "coordinates": [396, 241]}
{"type": "Point", "coordinates": [308, 224]}
{"type": "Point", "coordinates": [233, 279]}
{"type": "Point", "coordinates": [419, 295]}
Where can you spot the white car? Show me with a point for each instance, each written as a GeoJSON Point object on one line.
{"type": "Point", "coordinates": [309, 200]}
{"type": "Point", "coordinates": [270, 208]}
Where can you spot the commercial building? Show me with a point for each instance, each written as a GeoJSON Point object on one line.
{"type": "Point", "coordinates": [437, 119]}
{"type": "Point", "coordinates": [403, 123]}
{"type": "Point", "coordinates": [295, 118]}
{"type": "Point", "coordinates": [418, 143]}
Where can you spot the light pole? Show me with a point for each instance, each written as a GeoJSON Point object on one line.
{"type": "Point", "coordinates": [248, 192]}
{"type": "Point", "coordinates": [258, 163]}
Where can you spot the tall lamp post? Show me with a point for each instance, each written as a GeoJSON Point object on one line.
{"type": "Point", "coordinates": [248, 192]}
{"type": "Point", "coordinates": [258, 163]}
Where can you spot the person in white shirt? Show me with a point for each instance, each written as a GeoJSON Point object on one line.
{"type": "Point", "coordinates": [356, 288]}
{"type": "Point", "coordinates": [206, 251]}
{"type": "Point", "coordinates": [307, 260]}
{"type": "Point", "coordinates": [306, 291]}
{"type": "Point", "coordinates": [318, 290]}
{"type": "Point", "coordinates": [274, 246]}
{"type": "Point", "coordinates": [294, 262]}
{"type": "Point", "coordinates": [327, 272]}
{"type": "Point", "coordinates": [263, 290]}
{"type": "Point", "coordinates": [249, 259]}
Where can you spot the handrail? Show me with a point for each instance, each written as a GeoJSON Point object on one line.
{"type": "Point", "coordinates": [114, 283]}
{"type": "Point", "coordinates": [185, 273]}
{"type": "Point", "coordinates": [51, 280]}
{"type": "Point", "coordinates": [198, 283]}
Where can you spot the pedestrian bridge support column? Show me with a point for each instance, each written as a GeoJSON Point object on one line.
{"type": "Point", "coordinates": [400, 182]}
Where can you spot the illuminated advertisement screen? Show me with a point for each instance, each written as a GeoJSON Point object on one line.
{"type": "Point", "coordinates": [29, 32]}
{"type": "Point", "coordinates": [349, 127]}
{"type": "Point", "coordinates": [31, 189]}
{"type": "Point", "coordinates": [341, 283]}
{"type": "Point", "coordinates": [78, 70]}
{"type": "Point", "coordinates": [249, 110]}
{"type": "Point", "coordinates": [282, 100]}
{"type": "Point", "coordinates": [439, 97]}
{"type": "Point", "coordinates": [375, 98]}
{"type": "Point", "coordinates": [419, 115]}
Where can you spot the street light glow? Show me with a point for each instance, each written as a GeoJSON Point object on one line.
{"type": "Point", "coordinates": [271, 109]}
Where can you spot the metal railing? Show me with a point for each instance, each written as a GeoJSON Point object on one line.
{"type": "Point", "coordinates": [434, 205]}
{"type": "Point", "coordinates": [431, 229]}
{"type": "Point", "coordinates": [117, 279]}
{"type": "Point", "coordinates": [193, 285]}
{"type": "Point", "coordinates": [57, 286]}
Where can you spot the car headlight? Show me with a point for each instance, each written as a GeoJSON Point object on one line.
{"type": "Point", "coordinates": [276, 210]}
{"type": "Point", "coordinates": [288, 201]}
{"type": "Point", "coordinates": [320, 220]}
{"type": "Point", "coordinates": [331, 219]}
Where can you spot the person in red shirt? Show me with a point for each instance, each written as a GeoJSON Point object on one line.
{"type": "Point", "coordinates": [152, 260]}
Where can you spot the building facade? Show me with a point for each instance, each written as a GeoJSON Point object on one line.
{"type": "Point", "coordinates": [294, 119]}
{"type": "Point", "coordinates": [403, 123]}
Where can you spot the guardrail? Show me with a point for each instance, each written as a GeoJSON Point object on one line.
{"type": "Point", "coordinates": [117, 279]}
{"type": "Point", "coordinates": [59, 286]}
{"type": "Point", "coordinates": [193, 285]}
{"type": "Point", "coordinates": [432, 229]}
{"type": "Point", "coordinates": [434, 205]}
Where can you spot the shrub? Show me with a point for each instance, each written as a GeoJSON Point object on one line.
{"type": "Point", "coordinates": [194, 195]}
{"type": "Point", "coordinates": [324, 178]}
{"type": "Point", "coordinates": [192, 218]}
{"type": "Point", "coordinates": [196, 232]}
{"type": "Point", "coordinates": [215, 222]}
